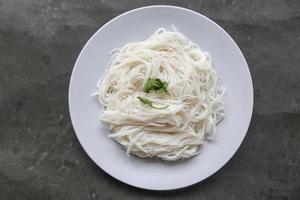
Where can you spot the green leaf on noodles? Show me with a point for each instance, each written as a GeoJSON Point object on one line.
{"type": "Point", "coordinates": [156, 84]}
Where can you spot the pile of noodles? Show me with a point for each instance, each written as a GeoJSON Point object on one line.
{"type": "Point", "coordinates": [193, 103]}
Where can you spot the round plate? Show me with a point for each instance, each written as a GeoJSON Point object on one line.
{"type": "Point", "coordinates": [137, 25]}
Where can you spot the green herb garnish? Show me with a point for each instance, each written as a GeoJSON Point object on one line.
{"type": "Point", "coordinates": [156, 84]}
{"type": "Point", "coordinates": [150, 103]}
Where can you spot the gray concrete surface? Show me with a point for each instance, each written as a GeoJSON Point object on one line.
{"type": "Point", "coordinates": [40, 157]}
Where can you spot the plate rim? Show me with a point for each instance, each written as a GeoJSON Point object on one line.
{"type": "Point", "coordinates": [151, 7]}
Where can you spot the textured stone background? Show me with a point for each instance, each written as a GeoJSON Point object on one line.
{"type": "Point", "coordinates": [40, 157]}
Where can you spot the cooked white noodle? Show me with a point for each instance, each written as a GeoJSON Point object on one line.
{"type": "Point", "coordinates": [194, 97]}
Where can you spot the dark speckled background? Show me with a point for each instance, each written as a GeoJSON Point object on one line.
{"type": "Point", "coordinates": [40, 157]}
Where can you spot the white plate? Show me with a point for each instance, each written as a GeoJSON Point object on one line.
{"type": "Point", "coordinates": [137, 25]}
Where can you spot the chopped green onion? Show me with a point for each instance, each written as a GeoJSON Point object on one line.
{"type": "Point", "coordinates": [150, 103]}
